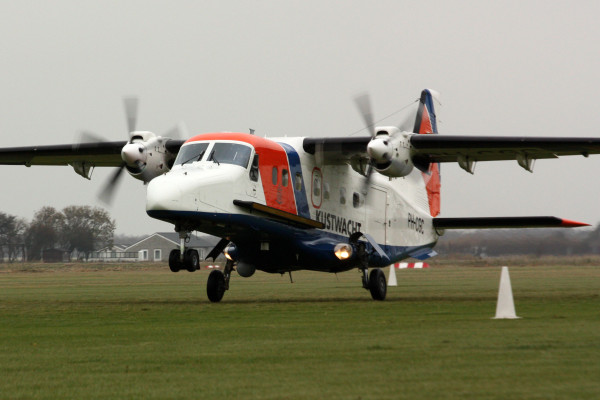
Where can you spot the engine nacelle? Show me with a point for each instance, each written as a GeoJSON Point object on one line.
{"type": "Point", "coordinates": [146, 156]}
{"type": "Point", "coordinates": [245, 270]}
{"type": "Point", "coordinates": [389, 150]}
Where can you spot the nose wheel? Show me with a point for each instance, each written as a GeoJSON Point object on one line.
{"type": "Point", "coordinates": [190, 262]}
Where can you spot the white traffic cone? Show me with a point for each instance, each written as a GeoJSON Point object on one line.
{"type": "Point", "coordinates": [392, 276]}
{"type": "Point", "coordinates": [505, 307]}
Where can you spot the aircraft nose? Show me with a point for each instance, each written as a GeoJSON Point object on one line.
{"type": "Point", "coordinates": [163, 193]}
{"type": "Point", "coordinates": [133, 153]}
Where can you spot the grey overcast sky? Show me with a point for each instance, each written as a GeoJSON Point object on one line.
{"type": "Point", "coordinates": [292, 68]}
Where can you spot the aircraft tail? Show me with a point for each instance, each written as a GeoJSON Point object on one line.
{"type": "Point", "coordinates": [426, 124]}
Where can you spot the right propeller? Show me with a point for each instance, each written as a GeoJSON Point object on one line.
{"type": "Point", "coordinates": [389, 147]}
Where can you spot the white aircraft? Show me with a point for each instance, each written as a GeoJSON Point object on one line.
{"type": "Point", "coordinates": [324, 204]}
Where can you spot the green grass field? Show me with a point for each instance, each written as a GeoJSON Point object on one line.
{"type": "Point", "coordinates": [143, 332]}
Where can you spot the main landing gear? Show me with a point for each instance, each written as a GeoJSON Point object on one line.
{"type": "Point", "coordinates": [375, 281]}
{"type": "Point", "coordinates": [218, 282]}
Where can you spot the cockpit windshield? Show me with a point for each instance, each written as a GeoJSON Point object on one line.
{"type": "Point", "coordinates": [190, 153]}
{"type": "Point", "coordinates": [230, 153]}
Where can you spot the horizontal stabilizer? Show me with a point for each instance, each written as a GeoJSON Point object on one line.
{"type": "Point", "coordinates": [504, 222]}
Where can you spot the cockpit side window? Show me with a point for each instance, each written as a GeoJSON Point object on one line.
{"type": "Point", "coordinates": [230, 153]}
{"type": "Point", "coordinates": [254, 169]}
{"type": "Point", "coordinates": [191, 153]}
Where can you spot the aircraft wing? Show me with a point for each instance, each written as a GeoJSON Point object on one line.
{"type": "Point", "coordinates": [464, 150]}
{"type": "Point", "coordinates": [102, 154]}
{"type": "Point", "coordinates": [97, 154]}
{"type": "Point", "coordinates": [441, 148]}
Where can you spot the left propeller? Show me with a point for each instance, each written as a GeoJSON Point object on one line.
{"type": "Point", "coordinates": [128, 154]}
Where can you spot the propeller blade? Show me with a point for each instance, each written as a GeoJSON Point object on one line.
{"type": "Point", "coordinates": [363, 102]}
{"type": "Point", "coordinates": [86, 137]}
{"type": "Point", "coordinates": [107, 193]}
{"type": "Point", "coordinates": [131, 112]}
{"type": "Point", "coordinates": [319, 156]}
{"type": "Point", "coordinates": [367, 182]}
{"type": "Point", "coordinates": [179, 131]}
{"type": "Point", "coordinates": [408, 122]}
{"type": "Point", "coordinates": [91, 137]}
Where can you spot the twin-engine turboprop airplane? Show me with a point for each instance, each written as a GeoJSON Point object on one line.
{"type": "Point", "coordinates": [324, 204]}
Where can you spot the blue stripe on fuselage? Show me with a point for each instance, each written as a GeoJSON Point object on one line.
{"type": "Point", "coordinates": [296, 168]}
{"type": "Point", "coordinates": [317, 244]}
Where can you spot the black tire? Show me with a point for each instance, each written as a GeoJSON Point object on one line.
{"type": "Point", "coordinates": [191, 260]}
{"type": "Point", "coordinates": [377, 284]}
{"type": "Point", "coordinates": [215, 286]}
{"type": "Point", "coordinates": [174, 260]}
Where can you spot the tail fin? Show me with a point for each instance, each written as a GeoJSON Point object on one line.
{"type": "Point", "coordinates": [425, 124]}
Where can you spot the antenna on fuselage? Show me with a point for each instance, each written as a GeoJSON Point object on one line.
{"type": "Point", "coordinates": [251, 131]}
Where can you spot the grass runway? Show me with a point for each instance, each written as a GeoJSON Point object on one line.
{"type": "Point", "coordinates": [105, 332]}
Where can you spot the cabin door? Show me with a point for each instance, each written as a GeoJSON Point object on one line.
{"type": "Point", "coordinates": [377, 215]}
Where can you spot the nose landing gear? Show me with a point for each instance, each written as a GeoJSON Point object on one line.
{"type": "Point", "coordinates": [183, 258]}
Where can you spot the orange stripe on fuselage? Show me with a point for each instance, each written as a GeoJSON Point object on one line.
{"type": "Point", "coordinates": [270, 154]}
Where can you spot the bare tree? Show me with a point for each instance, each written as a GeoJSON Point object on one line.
{"type": "Point", "coordinates": [86, 229]}
{"type": "Point", "coordinates": [43, 232]}
{"type": "Point", "coordinates": [11, 236]}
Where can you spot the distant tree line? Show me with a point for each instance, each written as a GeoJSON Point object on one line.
{"type": "Point", "coordinates": [503, 242]}
{"type": "Point", "coordinates": [74, 229]}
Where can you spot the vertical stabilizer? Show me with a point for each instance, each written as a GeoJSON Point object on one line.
{"type": "Point", "coordinates": [426, 124]}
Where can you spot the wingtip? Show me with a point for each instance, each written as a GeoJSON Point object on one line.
{"type": "Point", "coordinates": [572, 224]}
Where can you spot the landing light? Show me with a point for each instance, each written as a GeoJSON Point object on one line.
{"type": "Point", "coordinates": [227, 256]}
{"type": "Point", "coordinates": [343, 251]}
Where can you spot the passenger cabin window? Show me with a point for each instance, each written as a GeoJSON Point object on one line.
{"type": "Point", "coordinates": [191, 152]}
{"type": "Point", "coordinates": [254, 169]}
{"type": "Point", "coordinates": [357, 200]}
{"type": "Point", "coordinates": [326, 191]}
{"type": "Point", "coordinates": [342, 195]}
{"type": "Point", "coordinates": [298, 182]}
{"type": "Point", "coordinates": [274, 176]}
{"type": "Point", "coordinates": [317, 187]}
{"type": "Point", "coordinates": [285, 177]}
{"type": "Point", "coordinates": [230, 153]}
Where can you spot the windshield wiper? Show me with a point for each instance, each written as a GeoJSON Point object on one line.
{"type": "Point", "coordinates": [197, 157]}
{"type": "Point", "coordinates": [214, 159]}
